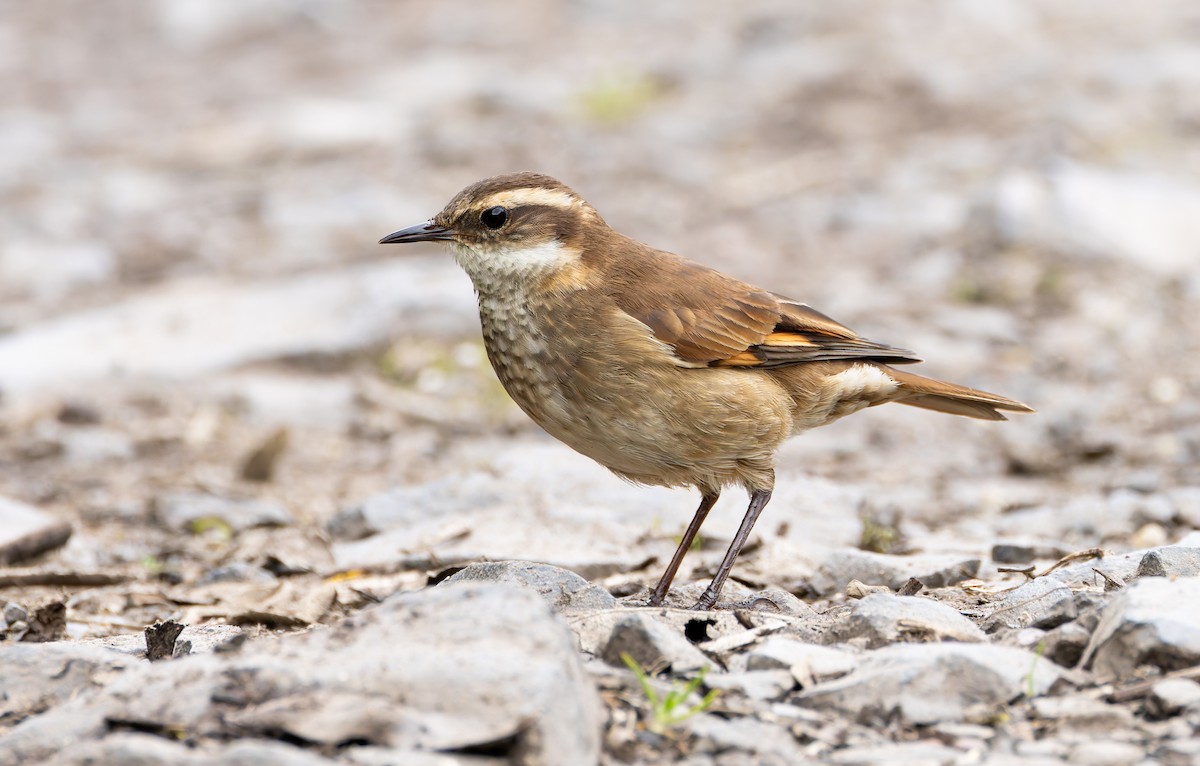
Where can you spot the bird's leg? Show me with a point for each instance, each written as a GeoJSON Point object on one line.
{"type": "Point", "coordinates": [664, 584]}
{"type": "Point", "coordinates": [758, 501]}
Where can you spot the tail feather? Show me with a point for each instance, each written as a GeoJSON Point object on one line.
{"type": "Point", "coordinates": [938, 395]}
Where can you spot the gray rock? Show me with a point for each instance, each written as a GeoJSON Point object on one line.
{"type": "Point", "coordinates": [441, 669]}
{"type": "Point", "coordinates": [679, 628]}
{"type": "Point", "coordinates": [1186, 501]}
{"type": "Point", "coordinates": [1083, 714]}
{"type": "Point", "coordinates": [188, 327]}
{"type": "Point", "coordinates": [935, 571]}
{"type": "Point", "coordinates": [900, 754]}
{"type": "Point", "coordinates": [1023, 551]}
{"type": "Point", "coordinates": [881, 619]}
{"type": "Point", "coordinates": [1042, 603]}
{"type": "Point", "coordinates": [1169, 697]}
{"type": "Point", "coordinates": [1170, 561]}
{"type": "Point", "coordinates": [1065, 644]}
{"type": "Point", "coordinates": [652, 644]}
{"type": "Point", "coordinates": [201, 638]}
{"type": "Point", "coordinates": [1069, 208]}
{"type": "Point", "coordinates": [1122, 566]}
{"type": "Point", "coordinates": [386, 756]}
{"type": "Point", "coordinates": [26, 532]}
{"type": "Point", "coordinates": [181, 510]}
{"type": "Point", "coordinates": [818, 663]}
{"type": "Point", "coordinates": [1153, 621]}
{"type": "Point", "coordinates": [931, 683]}
{"type": "Point", "coordinates": [584, 516]}
{"type": "Point", "coordinates": [147, 749]}
{"type": "Point", "coordinates": [1108, 753]}
{"type": "Point", "coordinates": [770, 744]}
{"type": "Point", "coordinates": [37, 676]}
{"type": "Point", "coordinates": [562, 589]}
{"type": "Point", "coordinates": [755, 684]}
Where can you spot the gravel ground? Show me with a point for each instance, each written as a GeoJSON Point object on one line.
{"type": "Point", "coordinates": [222, 404]}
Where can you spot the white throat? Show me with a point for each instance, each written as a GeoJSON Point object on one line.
{"type": "Point", "coordinates": [512, 268]}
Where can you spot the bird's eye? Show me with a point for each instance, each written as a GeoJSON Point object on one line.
{"type": "Point", "coordinates": [494, 217]}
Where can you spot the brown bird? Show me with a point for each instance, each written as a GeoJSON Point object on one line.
{"type": "Point", "coordinates": [664, 371]}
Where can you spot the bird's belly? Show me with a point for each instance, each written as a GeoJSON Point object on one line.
{"type": "Point", "coordinates": [650, 423]}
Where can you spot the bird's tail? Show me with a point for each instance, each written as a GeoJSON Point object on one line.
{"type": "Point", "coordinates": [938, 395]}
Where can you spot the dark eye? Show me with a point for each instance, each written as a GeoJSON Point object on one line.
{"type": "Point", "coordinates": [493, 217]}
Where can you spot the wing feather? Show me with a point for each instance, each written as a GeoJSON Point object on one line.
{"type": "Point", "coordinates": [710, 318]}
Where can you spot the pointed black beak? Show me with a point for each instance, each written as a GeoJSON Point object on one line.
{"type": "Point", "coordinates": [422, 232]}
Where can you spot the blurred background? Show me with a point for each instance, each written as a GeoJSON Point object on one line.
{"type": "Point", "coordinates": [192, 300]}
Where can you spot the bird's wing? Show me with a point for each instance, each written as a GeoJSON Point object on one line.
{"type": "Point", "coordinates": [804, 334]}
{"type": "Point", "coordinates": [709, 318]}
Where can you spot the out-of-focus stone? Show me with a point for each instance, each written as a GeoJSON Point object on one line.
{"type": "Point", "coordinates": [821, 663]}
{"type": "Point", "coordinates": [1171, 696]}
{"type": "Point", "coordinates": [26, 532]}
{"type": "Point", "coordinates": [562, 589]}
{"type": "Point", "coordinates": [935, 571]}
{"type": "Point", "coordinates": [881, 619]}
{"type": "Point", "coordinates": [184, 510]}
{"type": "Point", "coordinates": [755, 684]}
{"type": "Point", "coordinates": [1021, 551]}
{"type": "Point", "coordinates": [930, 683]}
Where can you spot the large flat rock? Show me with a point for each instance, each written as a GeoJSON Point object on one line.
{"type": "Point", "coordinates": [445, 669]}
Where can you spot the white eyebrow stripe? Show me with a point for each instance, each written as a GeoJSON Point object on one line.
{"type": "Point", "coordinates": [534, 196]}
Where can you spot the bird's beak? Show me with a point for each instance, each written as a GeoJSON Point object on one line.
{"type": "Point", "coordinates": [422, 232]}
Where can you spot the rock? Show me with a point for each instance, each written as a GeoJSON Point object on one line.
{"type": "Point", "coordinates": [1108, 753]}
{"type": "Point", "coordinates": [1121, 566]}
{"type": "Point", "coordinates": [1149, 622]}
{"type": "Point", "coordinates": [818, 663]}
{"type": "Point", "coordinates": [770, 745]}
{"type": "Point", "coordinates": [37, 676]}
{"type": "Point", "coordinates": [899, 754]}
{"type": "Point", "coordinates": [1021, 551]}
{"type": "Point", "coordinates": [584, 516]}
{"type": "Point", "coordinates": [183, 510]}
{"type": "Point", "coordinates": [1186, 501]}
{"type": "Point", "coordinates": [1092, 516]}
{"type": "Point", "coordinates": [755, 684]}
{"type": "Point", "coordinates": [881, 619]}
{"type": "Point", "coordinates": [1065, 644]}
{"type": "Point", "coordinates": [97, 444]}
{"type": "Point", "coordinates": [594, 631]}
{"type": "Point", "coordinates": [1074, 207]}
{"type": "Point", "coordinates": [1083, 714]}
{"type": "Point", "coordinates": [935, 571]}
{"type": "Point", "coordinates": [26, 532]}
{"type": "Point", "coordinates": [187, 327]}
{"type": "Point", "coordinates": [1041, 603]}
{"type": "Point", "coordinates": [1170, 561]}
{"type": "Point", "coordinates": [651, 644]}
{"type": "Point", "coordinates": [1169, 697]}
{"type": "Point", "coordinates": [563, 590]}
{"type": "Point", "coordinates": [201, 639]}
{"type": "Point", "coordinates": [447, 668]}
{"type": "Point", "coordinates": [133, 748]}
{"type": "Point", "coordinates": [931, 683]}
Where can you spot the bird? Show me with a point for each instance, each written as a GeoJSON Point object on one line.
{"type": "Point", "coordinates": [663, 370]}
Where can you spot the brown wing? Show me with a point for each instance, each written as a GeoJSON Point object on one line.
{"type": "Point", "coordinates": [709, 318]}
{"type": "Point", "coordinates": [804, 334]}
